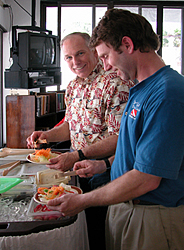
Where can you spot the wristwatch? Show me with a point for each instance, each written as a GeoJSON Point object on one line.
{"type": "Point", "coordinates": [81, 155]}
{"type": "Point", "coordinates": [108, 165]}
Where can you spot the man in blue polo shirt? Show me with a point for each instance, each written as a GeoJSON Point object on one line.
{"type": "Point", "coordinates": [146, 192]}
{"type": "Point", "coordinates": [151, 136]}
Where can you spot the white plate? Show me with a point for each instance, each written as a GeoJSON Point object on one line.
{"type": "Point", "coordinates": [74, 189]}
{"type": "Point", "coordinates": [28, 158]}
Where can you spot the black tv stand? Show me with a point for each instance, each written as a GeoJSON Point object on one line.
{"type": "Point", "coordinates": [22, 79]}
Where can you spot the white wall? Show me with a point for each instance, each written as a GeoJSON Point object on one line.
{"type": "Point", "coordinates": [21, 18]}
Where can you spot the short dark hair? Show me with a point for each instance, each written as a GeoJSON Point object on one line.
{"type": "Point", "coordinates": [84, 35]}
{"type": "Point", "coordinates": [117, 23]}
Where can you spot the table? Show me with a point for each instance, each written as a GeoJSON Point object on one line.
{"type": "Point", "coordinates": [72, 237]}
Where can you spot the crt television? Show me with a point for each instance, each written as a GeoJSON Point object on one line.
{"type": "Point", "coordinates": [38, 51]}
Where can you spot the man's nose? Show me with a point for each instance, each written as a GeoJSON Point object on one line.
{"type": "Point", "coordinates": [75, 60]}
{"type": "Point", "coordinates": [107, 66]}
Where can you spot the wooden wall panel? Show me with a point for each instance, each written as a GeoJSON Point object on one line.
{"type": "Point", "coordinates": [20, 119]}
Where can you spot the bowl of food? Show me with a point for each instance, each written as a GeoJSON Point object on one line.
{"type": "Point", "coordinates": [42, 156]}
{"type": "Point", "coordinates": [44, 194]}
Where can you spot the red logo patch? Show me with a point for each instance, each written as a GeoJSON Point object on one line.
{"type": "Point", "coordinates": [134, 113]}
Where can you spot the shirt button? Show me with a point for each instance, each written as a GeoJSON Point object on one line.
{"type": "Point", "coordinates": [126, 113]}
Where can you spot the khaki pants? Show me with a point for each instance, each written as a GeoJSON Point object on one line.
{"type": "Point", "coordinates": [138, 227]}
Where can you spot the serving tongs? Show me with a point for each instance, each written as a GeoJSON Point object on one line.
{"type": "Point", "coordinates": [68, 173]}
{"type": "Point", "coordinates": [12, 166]}
{"type": "Point", "coordinates": [7, 165]}
{"type": "Point", "coordinates": [8, 151]}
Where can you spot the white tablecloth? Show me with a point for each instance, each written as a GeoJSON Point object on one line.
{"type": "Point", "coordinates": [72, 237]}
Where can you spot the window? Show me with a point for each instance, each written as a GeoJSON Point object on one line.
{"type": "Point", "coordinates": [73, 19]}
{"type": "Point", "coordinates": [76, 19]}
{"type": "Point", "coordinates": [52, 24]}
{"type": "Point", "coordinates": [100, 11]}
{"type": "Point", "coordinates": [52, 19]}
{"type": "Point", "coordinates": [151, 15]}
{"type": "Point", "coordinates": [171, 49]}
{"type": "Point", "coordinates": [165, 17]}
{"type": "Point", "coordinates": [130, 8]}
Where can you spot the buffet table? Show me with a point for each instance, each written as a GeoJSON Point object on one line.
{"type": "Point", "coordinates": [72, 236]}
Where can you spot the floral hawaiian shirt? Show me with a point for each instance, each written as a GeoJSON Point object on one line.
{"type": "Point", "coordinates": [94, 106]}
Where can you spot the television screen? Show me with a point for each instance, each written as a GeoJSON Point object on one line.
{"type": "Point", "coordinates": [42, 51]}
{"type": "Point", "coordinates": [38, 51]}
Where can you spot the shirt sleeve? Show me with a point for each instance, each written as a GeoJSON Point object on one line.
{"type": "Point", "coordinates": [117, 93]}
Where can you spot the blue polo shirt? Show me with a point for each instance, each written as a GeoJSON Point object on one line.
{"type": "Point", "coordinates": [151, 137]}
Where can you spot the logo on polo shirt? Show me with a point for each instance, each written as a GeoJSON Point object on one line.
{"type": "Point", "coordinates": [135, 109]}
{"type": "Point", "coordinates": [133, 113]}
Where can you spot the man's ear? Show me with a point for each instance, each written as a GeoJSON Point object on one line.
{"type": "Point", "coordinates": [95, 52]}
{"type": "Point", "coordinates": [128, 44]}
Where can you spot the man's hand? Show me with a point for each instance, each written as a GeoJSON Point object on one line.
{"type": "Point", "coordinates": [88, 168]}
{"type": "Point", "coordinates": [64, 161]}
{"type": "Point", "coordinates": [68, 204]}
{"type": "Point", "coordinates": [34, 136]}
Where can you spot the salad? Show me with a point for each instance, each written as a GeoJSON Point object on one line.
{"type": "Point", "coordinates": [45, 194]}
{"type": "Point", "coordinates": [43, 155]}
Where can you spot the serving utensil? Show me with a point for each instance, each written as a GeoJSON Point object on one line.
{"type": "Point", "coordinates": [8, 151]}
{"type": "Point", "coordinates": [7, 165]}
{"type": "Point", "coordinates": [7, 170]}
{"type": "Point", "coordinates": [39, 141]}
{"type": "Point", "coordinates": [69, 173]}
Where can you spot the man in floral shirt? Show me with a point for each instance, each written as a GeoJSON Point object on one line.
{"type": "Point", "coordinates": [95, 106]}
{"type": "Point", "coordinates": [95, 101]}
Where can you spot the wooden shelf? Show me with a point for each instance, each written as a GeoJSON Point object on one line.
{"type": "Point", "coordinates": [22, 119]}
